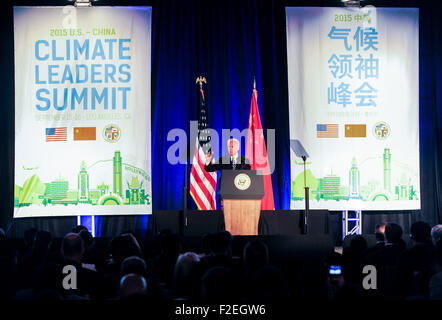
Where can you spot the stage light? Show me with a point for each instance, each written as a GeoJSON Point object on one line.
{"type": "Point", "coordinates": [352, 3]}
{"type": "Point", "coordinates": [83, 3]}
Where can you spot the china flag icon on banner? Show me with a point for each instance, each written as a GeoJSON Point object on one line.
{"type": "Point", "coordinates": [85, 133]}
{"type": "Point", "coordinates": [355, 130]}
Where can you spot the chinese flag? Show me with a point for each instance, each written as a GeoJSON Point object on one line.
{"type": "Point", "coordinates": [84, 133]}
{"type": "Point", "coordinates": [355, 130]}
{"type": "Point", "coordinates": [256, 152]}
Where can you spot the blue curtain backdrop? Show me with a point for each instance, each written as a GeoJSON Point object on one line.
{"type": "Point", "coordinates": [229, 42]}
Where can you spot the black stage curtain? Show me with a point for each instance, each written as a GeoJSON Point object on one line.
{"type": "Point", "coordinates": [229, 42]}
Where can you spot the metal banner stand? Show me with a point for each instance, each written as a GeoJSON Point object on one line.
{"type": "Point", "coordinates": [351, 222]}
{"type": "Point", "coordinates": [301, 153]}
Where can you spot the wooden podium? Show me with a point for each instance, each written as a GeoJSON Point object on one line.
{"type": "Point", "coordinates": [241, 191]}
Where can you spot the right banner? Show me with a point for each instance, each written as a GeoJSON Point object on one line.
{"type": "Point", "coordinates": [353, 76]}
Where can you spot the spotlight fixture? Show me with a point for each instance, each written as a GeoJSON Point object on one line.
{"type": "Point", "coordinates": [82, 3]}
{"type": "Point", "coordinates": [352, 3]}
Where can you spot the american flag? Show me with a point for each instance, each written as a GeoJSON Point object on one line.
{"type": "Point", "coordinates": [56, 134]}
{"type": "Point", "coordinates": [327, 131]}
{"type": "Point", "coordinates": [202, 183]}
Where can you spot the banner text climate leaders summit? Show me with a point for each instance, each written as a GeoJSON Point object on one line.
{"type": "Point", "coordinates": [67, 68]}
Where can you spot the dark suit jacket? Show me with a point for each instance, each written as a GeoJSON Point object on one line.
{"type": "Point", "coordinates": [413, 271]}
{"type": "Point", "coordinates": [225, 163]}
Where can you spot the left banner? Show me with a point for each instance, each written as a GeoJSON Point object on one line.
{"type": "Point", "coordinates": [82, 111]}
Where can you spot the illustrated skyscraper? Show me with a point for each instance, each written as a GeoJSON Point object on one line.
{"type": "Point", "coordinates": [83, 184]}
{"type": "Point", "coordinates": [387, 169]}
{"type": "Point", "coordinates": [354, 180]}
{"type": "Point", "coordinates": [329, 187]}
{"type": "Point", "coordinates": [58, 189]}
{"type": "Point", "coordinates": [118, 176]}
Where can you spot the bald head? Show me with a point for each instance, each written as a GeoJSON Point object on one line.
{"type": "Point", "coordinates": [184, 265]}
{"type": "Point", "coordinates": [72, 247]}
{"type": "Point", "coordinates": [436, 233]}
{"type": "Point", "coordinates": [132, 284]}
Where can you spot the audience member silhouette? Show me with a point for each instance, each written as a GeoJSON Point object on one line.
{"type": "Point", "coordinates": [352, 260]}
{"type": "Point", "coordinates": [436, 235]}
{"type": "Point", "coordinates": [269, 285]}
{"type": "Point", "coordinates": [185, 276]}
{"type": "Point", "coordinates": [120, 247]}
{"type": "Point", "coordinates": [226, 269]}
{"type": "Point", "coordinates": [255, 256]}
{"type": "Point", "coordinates": [413, 269]}
{"type": "Point", "coordinates": [78, 228]}
{"type": "Point", "coordinates": [132, 286]}
{"type": "Point", "coordinates": [164, 263]}
{"type": "Point", "coordinates": [435, 283]}
{"type": "Point", "coordinates": [72, 250]}
{"type": "Point", "coordinates": [218, 284]}
{"type": "Point", "coordinates": [379, 231]}
{"type": "Point", "coordinates": [380, 242]}
{"type": "Point", "coordinates": [385, 259]}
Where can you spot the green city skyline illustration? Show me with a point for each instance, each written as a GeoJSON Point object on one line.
{"type": "Point", "coordinates": [57, 192]}
{"type": "Point", "coordinates": [330, 187]}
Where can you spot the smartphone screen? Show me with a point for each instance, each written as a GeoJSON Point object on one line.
{"type": "Point", "coordinates": [335, 270]}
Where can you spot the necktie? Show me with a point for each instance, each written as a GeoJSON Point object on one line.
{"type": "Point", "coordinates": [234, 163]}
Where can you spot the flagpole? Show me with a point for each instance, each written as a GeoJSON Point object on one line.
{"type": "Point", "coordinates": [185, 188]}
{"type": "Point", "coordinates": [185, 192]}
{"type": "Point", "coordinates": [199, 80]}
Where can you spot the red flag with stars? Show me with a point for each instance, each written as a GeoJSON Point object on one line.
{"type": "Point", "coordinates": [256, 152]}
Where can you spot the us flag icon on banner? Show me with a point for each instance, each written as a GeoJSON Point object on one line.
{"type": "Point", "coordinates": [327, 131]}
{"type": "Point", "coordinates": [57, 134]}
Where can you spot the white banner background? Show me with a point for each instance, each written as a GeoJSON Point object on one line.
{"type": "Point", "coordinates": [48, 181]}
{"type": "Point", "coordinates": [355, 173]}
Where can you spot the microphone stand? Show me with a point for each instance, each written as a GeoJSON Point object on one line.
{"type": "Point", "coordinates": [300, 152]}
{"type": "Point", "coordinates": [306, 199]}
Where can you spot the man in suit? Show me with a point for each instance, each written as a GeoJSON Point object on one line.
{"type": "Point", "coordinates": [231, 161]}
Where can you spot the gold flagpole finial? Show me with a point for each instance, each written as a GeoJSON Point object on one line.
{"type": "Point", "coordinates": [254, 82]}
{"type": "Point", "coordinates": [200, 80]}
